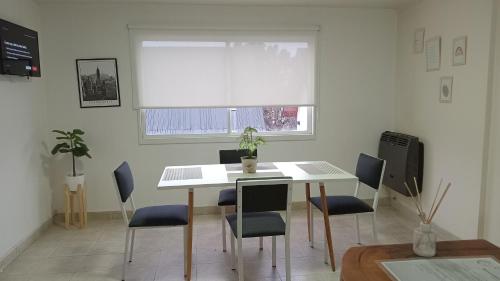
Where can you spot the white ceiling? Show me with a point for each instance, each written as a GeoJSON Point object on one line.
{"type": "Point", "coordinates": [332, 3]}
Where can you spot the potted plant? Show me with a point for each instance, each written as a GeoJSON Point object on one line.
{"type": "Point", "coordinates": [72, 142]}
{"type": "Point", "coordinates": [250, 144]}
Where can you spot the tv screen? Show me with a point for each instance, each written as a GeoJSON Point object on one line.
{"type": "Point", "coordinates": [18, 50]}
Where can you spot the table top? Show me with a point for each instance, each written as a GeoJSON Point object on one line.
{"type": "Point", "coordinates": [361, 263]}
{"type": "Point", "coordinates": [220, 175]}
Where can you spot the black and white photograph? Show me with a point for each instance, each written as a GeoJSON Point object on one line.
{"type": "Point", "coordinates": [98, 82]}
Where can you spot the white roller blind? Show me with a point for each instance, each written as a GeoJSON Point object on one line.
{"type": "Point", "coordinates": [223, 68]}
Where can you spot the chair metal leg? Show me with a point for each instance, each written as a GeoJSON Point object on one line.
{"type": "Point", "coordinates": [233, 255]}
{"type": "Point", "coordinates": [261, 243]}
{"type": "Point", "coordinates": [312, 228]}
{"type": "Point", "coordinates": [308, 209]}
{"type": "Point", "coordinates": [374, 227]}
{"type": "Point", "coordinates": [127, 242]}
{"type": "Point", "coordinates": [356, 219]}
{"type": "Point", "coordinates": [287, 258]}
{"type": "Point", "coordinates": [223, 222]}
{"type": "Point", "coordinates": [132, 246]}
{"type": "Point", "coordinates": [241, 274]}
{"type": "Point", "coordinates": [274, 251]}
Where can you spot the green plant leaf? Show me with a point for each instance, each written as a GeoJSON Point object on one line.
{"type": "Point", "coordinates": [58, 147]}
{"type": "Point", "coordinates": [59, 132]}
{"type": "Point", "coordinates": [78, 132]}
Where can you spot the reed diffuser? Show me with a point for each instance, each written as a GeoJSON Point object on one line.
{"type": "Point", "coordinates": [424, 239]}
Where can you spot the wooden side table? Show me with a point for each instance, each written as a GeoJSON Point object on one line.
{"type": "Point", "coordinates": [81, 195]}
{"type": "Point", "coordinates": [360, 263]}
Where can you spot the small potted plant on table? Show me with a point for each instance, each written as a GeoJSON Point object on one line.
{"type": "Point", "coordinates": [249, 142]}
{"type": "Point", "coordinates": [72, 142]}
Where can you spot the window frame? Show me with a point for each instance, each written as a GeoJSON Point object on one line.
{"type": "Point", "coordinates": [313, 115]}
{"type": "Point", "coordinates": [229, 136]}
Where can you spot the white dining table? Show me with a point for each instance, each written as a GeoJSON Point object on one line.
{"type": "Point", "coordinates": [194, 177]}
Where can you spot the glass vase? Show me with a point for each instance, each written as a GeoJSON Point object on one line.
{"type": "Point", "coordinates": [424, 241]}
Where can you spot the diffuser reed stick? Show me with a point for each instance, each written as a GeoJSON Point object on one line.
{"type": "Point", "coordinates": [417, 200]}
{"type": "Point", "coordinates": [439, 203]}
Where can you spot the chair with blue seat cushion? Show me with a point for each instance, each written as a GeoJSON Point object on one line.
{"type": "Point", "coordinates": [147, 217]}
{"type": "Point", "coordinates": [227, 197]}
{"type": "Point", "coordinates": [259, 201]}
{"type": "Point", "coordinates": [370, 172]}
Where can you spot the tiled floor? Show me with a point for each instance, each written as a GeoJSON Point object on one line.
{"type": "Point", "coordinates": [96, 253]}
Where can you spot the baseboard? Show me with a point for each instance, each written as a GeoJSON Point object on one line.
{"type": "Point", "coordinates": [409, 214]}
{"type": "Point", "coordinates": [20, 247]}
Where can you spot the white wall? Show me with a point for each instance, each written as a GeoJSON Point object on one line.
{"type": "Point", "coordinates": [491, 227]}
{"type": "Point", "coordinates": [26, 197]}
{"type": "Point", "coordinates": [454, 133]}
{"type": "Point", "coordinates": [356, 89]}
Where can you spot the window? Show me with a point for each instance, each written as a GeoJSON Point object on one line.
{"type": "Point", "coordinates": [289, 120]}
{"type": "Point", "coordinates": [216, 82]}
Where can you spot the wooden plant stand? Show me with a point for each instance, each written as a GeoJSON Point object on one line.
{"type": "Point", "coordinates": [81, 195]}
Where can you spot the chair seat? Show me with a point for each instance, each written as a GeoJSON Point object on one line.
{"type": "Point", "coordinates": [258, 224]}
{"type": "Point", "coordinates": [166, 215]}
{"type": "Point", "coordinates": [341, 205]}
{"type": "Point", "coordinates": [227, 197]}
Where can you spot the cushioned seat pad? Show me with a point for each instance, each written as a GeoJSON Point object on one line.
{"type": "Point", "coordinates": [258, 224]}
{"type": "Point", "coordinates": [167, 215]}
{"type": "Point", "coordinates": [340, 205]}
{"type": "Point", "coordinates": [227, 197]}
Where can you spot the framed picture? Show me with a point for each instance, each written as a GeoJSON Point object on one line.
{"type": "Point", "coordinates": [418, 41]}
{"type": "Point", "coordinates": [433, 53]}
{"type": "Point", "coordinates": [446, 89]}
{"type": "Point", "coordinates": [459, 50]}
{"type": "Point", "coordinates": [98, 84]}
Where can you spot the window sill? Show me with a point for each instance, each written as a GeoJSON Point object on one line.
{"type": "Point", "coordinates": [145, 140]}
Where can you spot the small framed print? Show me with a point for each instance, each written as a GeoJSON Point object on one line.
{"type": "Point", "coordinates": [433, 53]}
{"type": "Point", "coordinates": [460, 50]}
{"type": "Point", "coordinates": [418, 41]}
{"type": "Point", "coordinates": [446, 89]}
{"type": "Point", "coordinates": [98, 83]}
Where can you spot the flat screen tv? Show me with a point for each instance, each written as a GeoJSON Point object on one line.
{"type": "Point", "coordinates": [18, 50]}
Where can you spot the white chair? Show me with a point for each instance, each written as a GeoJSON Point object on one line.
{"type": "Point", "coordinates": [147, 217]}
{"type": "Point", "coordinates": [227, 197]}
{"type": "Point", "coordinates": [370, 171]}
{"type": "Point", "coordinates": [257, 215]}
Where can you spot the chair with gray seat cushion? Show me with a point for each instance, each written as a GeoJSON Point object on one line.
{"type": "Point", "coordinates": [227, 197]}
{"type": "Point", "coordinates": [259, 201]}
{"type": "Point", "coordinates": [370, 172]}
{"type": "Point", "coordinates": [147, 217]}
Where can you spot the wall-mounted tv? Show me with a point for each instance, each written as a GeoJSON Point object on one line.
{"type": "Point", "coordinates": [19, 53]}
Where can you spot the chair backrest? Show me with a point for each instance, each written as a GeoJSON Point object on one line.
{"type": "Point", "coordinates": [232, 156]}
{"type": "Point", "coordinates": [124, 181]}
{"type": "Point", "coordinates": [263, 194]}
{"type": "Point", "coordinates": [124, 184]}
{"type": "Point", "coordinates": [370, 170]}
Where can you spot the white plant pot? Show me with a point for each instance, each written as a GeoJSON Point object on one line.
{"type": "Point", "coordinates": [249, 165]}
{"type": "Point", "coordinates": [73, 182]}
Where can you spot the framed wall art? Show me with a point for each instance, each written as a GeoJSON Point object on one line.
{"type": "Point", "coordinates": [446, 89]}
{"type": "Point", "coordinates": [460, 51]}
{"type": "Point", "coordinates": [418, 41]}
{"type": "Point", "coordinates": [433, 53]}
{"type": "Point", "coordinates": [98, 84]}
